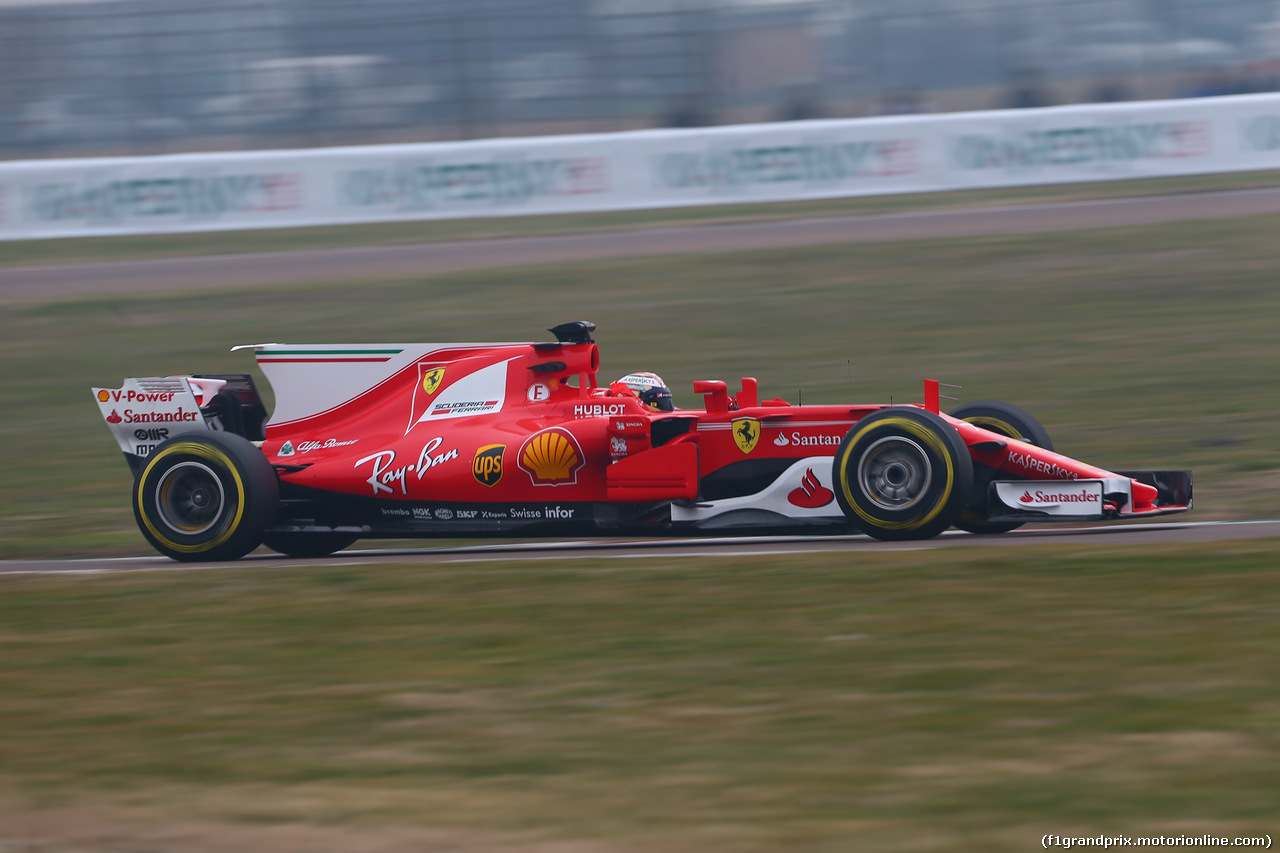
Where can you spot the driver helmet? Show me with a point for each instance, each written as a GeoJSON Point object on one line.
{"type": "Point", "coordinates": [650, 389]}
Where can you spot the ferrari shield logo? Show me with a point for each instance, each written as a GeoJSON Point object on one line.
{"type": "Point", "coordinates": [431, 380]}
{"type": "Point", "coordinates": [746, 434]}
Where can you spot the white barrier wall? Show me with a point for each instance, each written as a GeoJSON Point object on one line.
{"type": "Point", "coordinates": [656, 168]}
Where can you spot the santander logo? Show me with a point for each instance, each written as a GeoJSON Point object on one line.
{"type": "Point", "coordinates": [1057, 497]}
{"type": "Point", "coordinates": [1049, 497]}
{"type": "Point", "coordinates": [811, 493]}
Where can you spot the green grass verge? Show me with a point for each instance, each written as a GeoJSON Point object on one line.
{"type": "Point", "coordinates": [86, 250]}
{"type": "Point", "coordinates": [1144, 347]}
{"type": "Point", "coordinates": [959, 700]}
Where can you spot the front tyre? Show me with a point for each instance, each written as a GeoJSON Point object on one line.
{"type": "Point", "coordinates": [1005, 419]}
{"type": "Point", "coordinates": [1008, 420]}
{"type": "Point", "coordinates": [205, 496]}
{"type": "Point", "coordinates": [902, 473]}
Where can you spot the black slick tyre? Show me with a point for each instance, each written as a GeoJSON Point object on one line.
{"type": "Point", "coordinates": [1008, 420]}
{"type": "Point", "coordinates": [205, 496]}
{"type": "Point", "coordinates": [902, 473]}
{"type": "Point", "coordinates": [1005, 419]}
{"type": "Point", "coordinates": [308, 544]}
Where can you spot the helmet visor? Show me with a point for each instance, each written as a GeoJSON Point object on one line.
{"type": "Point", "coordinates": [658, 398]}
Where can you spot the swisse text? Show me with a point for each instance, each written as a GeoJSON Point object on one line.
{"type": "Point", "coordinates": [551, 512]}
{"type": "Point", "coordinates": [385, 475]}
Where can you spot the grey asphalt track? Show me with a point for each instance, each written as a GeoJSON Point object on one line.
{"type": "Point", "coordinates": [27, 283]}
{"type": "Point", "coordinates": [601, 549]}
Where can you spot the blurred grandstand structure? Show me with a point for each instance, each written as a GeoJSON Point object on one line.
{"type": "Point", "coordinates": [137, 77]}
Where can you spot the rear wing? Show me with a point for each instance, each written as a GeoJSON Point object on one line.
{"type": "Point", "coordinates": [145, 411]}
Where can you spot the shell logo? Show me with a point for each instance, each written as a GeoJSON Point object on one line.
{"type": "Point", "coordinates": [103, 396]}
{"type": "Point", "coordinates": [551, 458]}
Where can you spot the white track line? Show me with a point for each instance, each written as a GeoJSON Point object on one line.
{"type": "Point", "coordinates": [585, 548]}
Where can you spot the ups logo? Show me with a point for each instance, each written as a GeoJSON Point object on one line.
{"type": "Point", "coordinates": [487, 466]}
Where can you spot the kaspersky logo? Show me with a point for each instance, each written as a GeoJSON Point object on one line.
{"type": "Point", "coordinates": [551, 458]}
{"type": "Point", "coordinates": [746, 434]}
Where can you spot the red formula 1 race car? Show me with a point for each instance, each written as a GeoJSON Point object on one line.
{"type": "Point", "coordinates": [438, 440]}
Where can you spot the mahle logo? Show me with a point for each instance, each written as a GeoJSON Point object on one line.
{"type": "Point", "coordinates": [431, 380]}
{"type": "Point", "coordinates": [746, 434]}
{"type": "Point", "coordinates": [487, 466]}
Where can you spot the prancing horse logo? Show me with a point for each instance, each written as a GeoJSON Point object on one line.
{"type": "Point", "coordinates": [431, 380]}
{"type": "Point", "coordinates": [746, 434]}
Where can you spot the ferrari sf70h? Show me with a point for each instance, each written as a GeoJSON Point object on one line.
{"type": "Point", "coordinates": [502, 439]}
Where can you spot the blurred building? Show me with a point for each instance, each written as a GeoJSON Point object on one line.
{"type": "Point", "coordinates": [153, 76]}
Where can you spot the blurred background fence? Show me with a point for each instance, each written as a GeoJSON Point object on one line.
{"type": "Point", "coordinates": [156, 76]}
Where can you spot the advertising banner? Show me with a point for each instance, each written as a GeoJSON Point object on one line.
{"type": "Point", "coordinates": [640, 169]}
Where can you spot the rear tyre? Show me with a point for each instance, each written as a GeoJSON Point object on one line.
{"type": "Point", "coordinates": [1008, 420]}
{"type": "Point", "coordinates": [308, 544]}
{"type": "Point", "coordinates": [902, 473]}
{"type": "Point", "coordinates": [205, 496]}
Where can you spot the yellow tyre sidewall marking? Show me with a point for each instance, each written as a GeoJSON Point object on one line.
{"type": "Point", "coordinates": [996, 425]}
{"type": "Point", "coordinates": [213, 455]}
{"type": "Point", "coordinates": [929, 438]}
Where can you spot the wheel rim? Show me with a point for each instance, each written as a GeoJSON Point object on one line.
{"type": "Point", "coordinates": [190, 498]}
{"type": "Point", "coordinates": [894, 473]}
